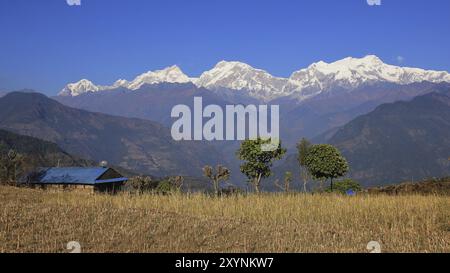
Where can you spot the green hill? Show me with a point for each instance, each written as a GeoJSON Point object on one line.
{"type": "Point", "coordinates": [138, 145]}
{"type": "Point", "coordinates": [400, 141]}
{"type": "Point", "coordinates": [36, 152]}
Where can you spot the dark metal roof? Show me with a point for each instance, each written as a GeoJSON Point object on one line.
{"type": "Point", "coordinates": [113, 180]}
{"type": "Point", "coordinates": [75, 175]}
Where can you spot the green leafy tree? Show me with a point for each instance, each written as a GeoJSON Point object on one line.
{"type": "Point", "coordinates": [302, 151]}
{"type": "Point", "coordinates": [257, 161]}
{"type": "Point", "coordinates": [326, 162]}
{"type": "Point", "coordinates": [221, 174]}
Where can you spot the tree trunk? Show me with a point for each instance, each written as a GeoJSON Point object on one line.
{"type": "Point", "coordinates": [14, 174]}
{"type": "Point", "coordinates": [332, 184]}
{"type": "Point", "coordinates": [305, 180]}
{"type": "Point", "coordinates": [216, 188]}
{"type": "Point", "coordinates": [257, 182]}
{"type": "Point", "coordinates": [8, 173]}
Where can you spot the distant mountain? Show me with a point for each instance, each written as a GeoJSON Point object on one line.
{"type": "Point", "coordinates": [330, 110]}
{"type": "Point", "coordinates": [171, 74]}
{"type": "Point", "coordinates": [81, 87]}
{"type": "Point", "coordinates": [153, 102]}
{"type": "Point", "coordinates": [399, 141]}
{"type": "Point", "coordinates": [309, 118]}
{"type": "Point", "coordinates": [4, 93]}
{"type": "Point", "coordinates": [242, 77]}
{"type": "Point", "coordinates": [317, 79]}
{"type": "Point", "coordinates": [351, 73]}
{"type": "Point", "coordinates": [36, 152]}
{"type": "Point", "coordinates": [315, 101]}
{"type": "Point", "coordinates": [134, 144]}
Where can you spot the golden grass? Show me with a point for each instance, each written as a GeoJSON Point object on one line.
{"type": "Point", "coordinates": [39, 221]}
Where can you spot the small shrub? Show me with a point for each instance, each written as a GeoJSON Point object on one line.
{"type": "Point", "coordinates": [345, 185]}
{"type": "Point", "coordinates": [140, 184]}
{"type": "Point", "coordinates": [230, 191]}
{"type": "Point", "coordinates": [169, 185]}
{"type": "Point", "coordinates": [164, 187]}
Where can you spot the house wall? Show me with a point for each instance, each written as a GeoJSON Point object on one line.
{"type": "Point", "coordinates": [109, 187]}
{"type": "Point", "coordinates": [110, 174]}
{"type": "Point", "coordinates": [61, 187]}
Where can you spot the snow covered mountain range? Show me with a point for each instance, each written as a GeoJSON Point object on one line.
{"type": "Point", "coordinates": [349, 73]}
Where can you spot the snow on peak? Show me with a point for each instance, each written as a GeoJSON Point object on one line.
{"type": "Point", "coordinates": [241, 76]}
{"type": "Point", "coordinates": [232, 64]}
{"type": "Point", "coordinates": [121, 83]}
{"type": "Point", "coordinates": [78, 88]}
{"type": "Point", "coordinates": [172, 74]}
{"type": "Point", "coordinates": [350, 73]}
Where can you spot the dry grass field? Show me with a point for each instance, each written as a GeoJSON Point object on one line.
{"type": "Point", "coordinates": [39, 221]}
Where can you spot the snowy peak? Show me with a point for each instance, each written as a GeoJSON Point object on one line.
{"type": "Point", "coordinates": [241, 76]}
{"type": "Point", "coordinates": [171, 74]}
{"type": "Point", "coordinates": [349, 62]}
{"type": "Point", "coordinates": [223, 73]}
{"type": "Point", "coordinates": [350, 73]}
{"type": "Point", "coordinates": [121, 83]}
{"type": "Point", "coordinates": [78, 88]}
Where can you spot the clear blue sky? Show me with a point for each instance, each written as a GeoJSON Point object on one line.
{"type": "Point", "coordinates": [46, 43]}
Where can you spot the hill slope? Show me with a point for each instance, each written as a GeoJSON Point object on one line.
{"type": "Point", "coordinates": [399, 141]}
{"type": "Point", "coordinates": [134, 144]}
{"type": "Point", "coordinates": [36, 152]}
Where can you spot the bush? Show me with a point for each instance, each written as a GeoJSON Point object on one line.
{"type": "Point", "coordinates": [345, 185]}
{"type": "Point", "coordinates": [164, 187]}
{"type": "Point", "coordinates": [140, 184]}
{"type": "Point", "coordinates": [230, 191]}
{"type": "Point", "coordinates": [169, 185]}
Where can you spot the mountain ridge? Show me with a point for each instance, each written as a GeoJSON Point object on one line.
{"type": "Point", "coordinates": [37, 152]}
{"type": "Point", "coordinates": [399, 141]}
{"type": "Point", "coordinates": [348, 73]}
{"type": "Point", "coordinates": [135, 144]}
{"type": "Point", "coordinates": [395, 142]}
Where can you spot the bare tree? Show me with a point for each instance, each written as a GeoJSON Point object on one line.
{"type": "Point", "coordinates": [11, 166]}
{"type": "Point", "coordinates": [287, 182]}
{"type": "Point", "coordinates": [140, 184]}
{"type": "Point", "coordinates": [176, 182]}
{"type": "Point", "coordinates": [221, 174]}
